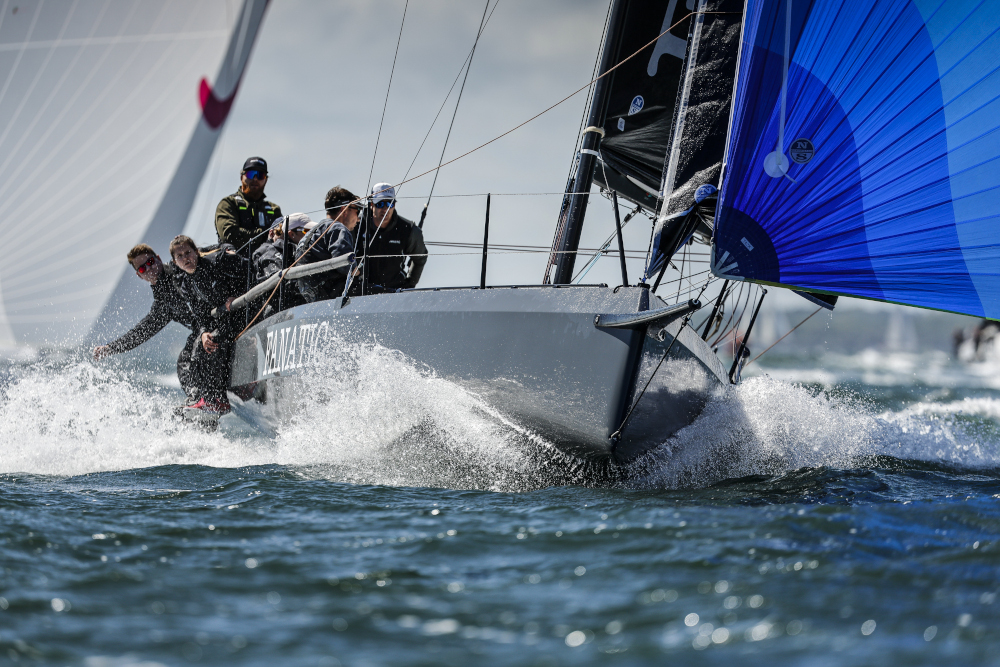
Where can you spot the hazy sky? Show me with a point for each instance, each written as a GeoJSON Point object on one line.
{"type": "Point", "coordinates": [312, 98]}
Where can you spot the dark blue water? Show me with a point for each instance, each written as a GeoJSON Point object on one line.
{"type": "Point", "coordinates": [832, 521]}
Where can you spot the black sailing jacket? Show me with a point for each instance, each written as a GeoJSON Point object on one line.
{"type": "Point", "coordinates": [168, 306]}
{"type": "Point", "coordinates": [400, 239]}
{"type": "Point", "coordinates": [218, 276]}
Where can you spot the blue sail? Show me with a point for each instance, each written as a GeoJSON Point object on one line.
{"type": "Point", "coordinates": [878, 176]}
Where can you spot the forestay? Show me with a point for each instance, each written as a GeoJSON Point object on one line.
{"type": "Point", "coordinates": [872, 167]}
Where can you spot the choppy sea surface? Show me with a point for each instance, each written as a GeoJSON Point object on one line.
{"type": "Point", "coordinates": [831, 510]}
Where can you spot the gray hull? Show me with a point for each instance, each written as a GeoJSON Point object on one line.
{"type": "Point", "coordinates": [534, 354]}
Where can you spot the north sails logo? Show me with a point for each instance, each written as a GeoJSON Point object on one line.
{"type": "Point", "coordinates": [802, 151]}
{"type": "Point", "coordinates": [637, 104]}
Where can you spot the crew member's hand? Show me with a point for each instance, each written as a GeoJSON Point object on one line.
{"type": "Point", "coordinates": [229, 301]}
{"type": "Point", "coordinates": [209, 344]}
{"type": "Point", "coordinates": [101, 351]}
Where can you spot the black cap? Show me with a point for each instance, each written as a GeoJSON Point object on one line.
{"type": "Point", "coordinates": [255, 163]}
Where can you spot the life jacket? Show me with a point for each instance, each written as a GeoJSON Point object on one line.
{"type": "Point", "coordinates": [258, 215]}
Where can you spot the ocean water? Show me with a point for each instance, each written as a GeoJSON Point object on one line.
{"type": "Point", "coordinates": [834, 509]}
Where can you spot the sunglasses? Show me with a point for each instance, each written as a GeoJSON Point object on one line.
{"type": "Point", "coordinates": [254, 175]}
{"type": "Point", "coordinates": [383, 204]}
{"type": "Point", "coordinates": [148, 265]}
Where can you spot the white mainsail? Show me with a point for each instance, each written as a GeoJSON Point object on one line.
{"type": "Point", "coordinates": [107, 124]}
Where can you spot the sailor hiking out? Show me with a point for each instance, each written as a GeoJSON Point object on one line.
{"type": "Point", "coordinates": [207, 282]}
{"type": "Point", "coordinates": [168, 306]}
{"type": "Point", "coordinates": [246, 214]}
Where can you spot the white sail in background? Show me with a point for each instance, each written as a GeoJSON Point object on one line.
{"type": "Point", "coordinates": [107, 124]}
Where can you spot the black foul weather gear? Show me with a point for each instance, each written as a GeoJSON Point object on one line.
{"type": "Point", "coordinates": [326, 240]}
{"type": "Point", "coordinates": [400, 240]}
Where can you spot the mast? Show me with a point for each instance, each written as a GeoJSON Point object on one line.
{"type": "Point", "coordinates": [575, 205]}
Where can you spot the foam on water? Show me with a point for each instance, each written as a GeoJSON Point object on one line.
{"type": "Point", "coordinates": [365, 416]}
{"type": "Point", "coordinates": [370, 416]}
{"type": "Point", "coordinates": [767, 426]}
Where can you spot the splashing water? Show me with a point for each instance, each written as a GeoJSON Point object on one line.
{"type": "Point", "coordinates": [371, 417]}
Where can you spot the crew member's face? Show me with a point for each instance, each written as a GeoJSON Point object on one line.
{"type": "Point", "coordinates": [382, 216]}
{"type": "Point", "coordinates": [296, 235]}
{"type": "Point", "coordinates": [253, 181]}
{"type": "Point", "coordinates": [186, 257]}
{"type": "Point", "coordinates": [348, 217]}
{"type": "Point", "coordinates": [148, 267]}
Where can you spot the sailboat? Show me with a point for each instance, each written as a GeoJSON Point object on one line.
{"type": "Point", "coordinates": [834, 148]}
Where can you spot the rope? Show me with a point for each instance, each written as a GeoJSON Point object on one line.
{"type": "Point", "coordinates": [458, 101]}
{"type": "Point", "coordinates": [385, 105]}
{"type": "Point", "coordinates": [616, 436]}
{"type": "Point", "coordinates": [783, 337]}
{"type": "Point", "coordinates": [443, 102]}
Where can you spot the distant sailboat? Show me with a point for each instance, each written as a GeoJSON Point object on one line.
{"type": "Point", "coordinates": [107, 123]}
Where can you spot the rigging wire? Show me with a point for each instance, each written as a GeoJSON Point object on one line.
{"type": "Point", "coordinates": [600, 252]}
{"type": "Point", "coordinates": [385, 104]}
{"type": "Point", "coordinates": [783, 337]}
{"type": "Point", "coordinates": [454, 115]}
{"type": "Point", "coordinates": [735, 303]}
{"type": "Point", "coordinates": [468, 57]}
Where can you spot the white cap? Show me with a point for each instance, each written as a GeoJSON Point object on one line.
{"type": "Point", "coordinates": [383, 192]}
{"type": "Point", "coordinates": [298, 222]}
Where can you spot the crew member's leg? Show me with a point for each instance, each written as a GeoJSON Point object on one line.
{"type": "Point", "coordinates": [184, 370]}
{"type": "Point", "coordinates": [211, 375]}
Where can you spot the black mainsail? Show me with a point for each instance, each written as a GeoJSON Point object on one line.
{"type": "Point", "coordinates": [642, 99]}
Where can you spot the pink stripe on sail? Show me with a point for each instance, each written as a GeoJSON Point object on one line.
{"type": "Point", "coordinates": [213, 109]}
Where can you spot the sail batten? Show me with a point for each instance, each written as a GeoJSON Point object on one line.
{"type": "Point", "coordinates": [884, 184]}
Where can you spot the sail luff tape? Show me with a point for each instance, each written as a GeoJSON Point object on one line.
{"type": "Point", "coordinates": [587, 151]}
{"type": "Point", "coordinates": [594, 128]}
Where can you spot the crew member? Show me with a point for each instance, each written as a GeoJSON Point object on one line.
{"type": "Point", "coordinates": [330, 238]}
{"type": "Point", "coordinates": [168, 306]}
{"type": "Point", "coordinates": [208, 282]}
{"type": "Point", "coordinates": [246, 215]}
{"type": "Point", "coordinates": [388, 240]}
{"type": "Point", "coordinates": [267, 258]}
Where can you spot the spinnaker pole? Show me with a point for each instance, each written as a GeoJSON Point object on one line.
{"type": "Point", "coordinates": [578, 191]}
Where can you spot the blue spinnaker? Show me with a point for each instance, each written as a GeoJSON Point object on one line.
{"type": "Point", "coordinates": [885, 182]}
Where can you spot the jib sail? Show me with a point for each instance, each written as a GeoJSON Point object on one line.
{"type": "Point", "coordinates": [863, 156]}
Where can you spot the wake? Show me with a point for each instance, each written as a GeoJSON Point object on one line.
{"type": "Point", "coordinates": [372, 417]}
